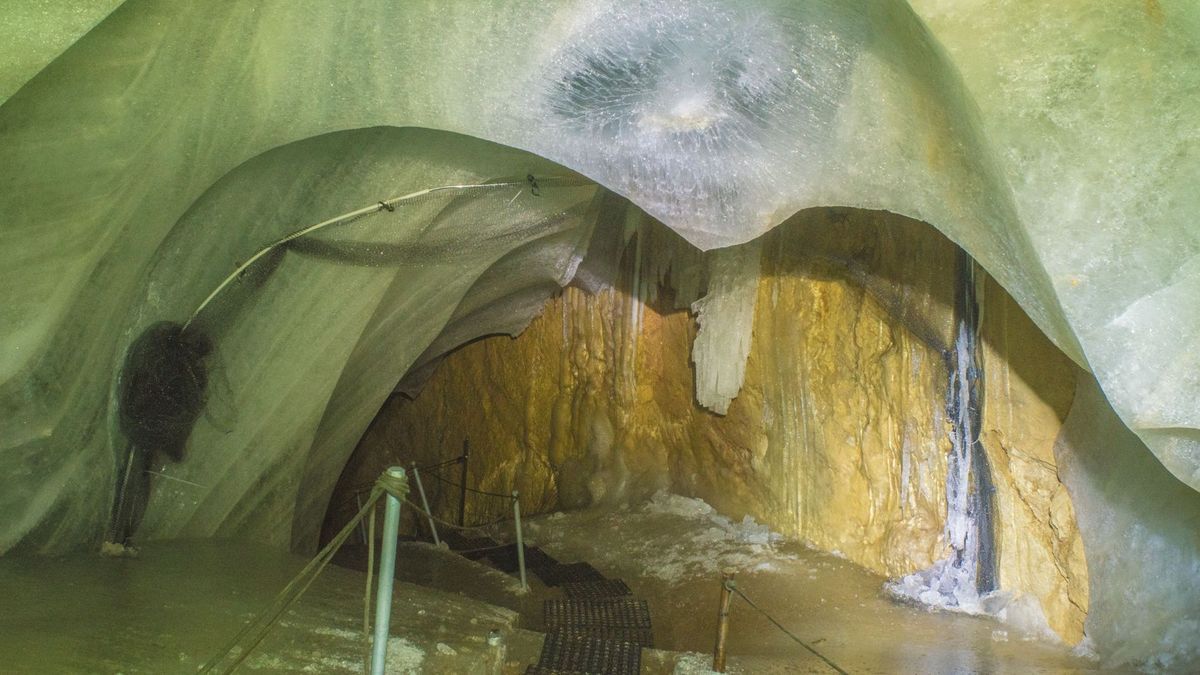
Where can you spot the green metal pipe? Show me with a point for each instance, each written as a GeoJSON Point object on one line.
{"type": "Point", "coordinates": [387, 578]}
{"type": "Point", "coordinates": [520, 539]}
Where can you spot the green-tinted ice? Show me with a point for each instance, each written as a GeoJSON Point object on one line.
{"type": "Point", "coordinates": [1059, 143]}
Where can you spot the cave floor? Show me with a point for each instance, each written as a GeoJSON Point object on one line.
{"type": "Point", "coordinates": [672, 550]}
{"type": "Point", "coordinates": [179, 603]}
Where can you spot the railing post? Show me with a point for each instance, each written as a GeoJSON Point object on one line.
{"type": "Point", "coordinates": [425, 503]}
{"type": "Point", "coordinates": [520, 539]}
{"type": "Point", "coordinates": [387, 577]}
{"type": "Point", "coordinates": [362, 527]}
{"type": "Point", "coordinates": [462, 497]}
{"type": "Point", "coordinates": [723, 620]}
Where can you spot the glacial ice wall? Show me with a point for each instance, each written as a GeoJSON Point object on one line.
{"type": "Point", "coordinates": [1089, 110]}
{"type": "Point", "coordinates": [1061, 158]}
{"type": "Point", "coordinates": [37, 31]}
{"type": "Point", "coordinates": [307, 344]}
{"type": "Point", "coordinates": [1142, 529]}
{"type": "Point", "coordinates": [1060, 152]}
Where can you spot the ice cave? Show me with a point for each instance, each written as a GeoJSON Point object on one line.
{"type": "Point", "coordinates": [605, 336]}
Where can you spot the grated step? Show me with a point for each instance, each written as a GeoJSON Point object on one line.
{"type": "Point", "coordinates": [606, 613]}
{"type": "Point", "coordinates": [637, 636]}
{"type": "Point", "coordinates": [576, 653]}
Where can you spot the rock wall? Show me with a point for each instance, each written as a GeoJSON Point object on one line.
{"type": "Point", "coordinates": [1030, 388]}
{"type": "Point", "coordinates": [838, 435]}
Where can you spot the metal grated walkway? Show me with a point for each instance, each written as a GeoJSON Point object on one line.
{"type": "Point", "coordinates": [598, 629]}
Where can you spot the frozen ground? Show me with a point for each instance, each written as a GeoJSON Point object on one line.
{"type": "Point", "coordinates": [671, 551]}
{"type": "Point", "coordinates": [177, 604]}
{"type": "Point", "coordinates": [170, 609]}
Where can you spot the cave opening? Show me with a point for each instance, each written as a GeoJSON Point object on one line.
{"type": "Point", "coordinates": [857, 427]}
{"type": "Point", "coordinates": [847, 412]}
{"type": "Point", "coordinates": [255, 252]}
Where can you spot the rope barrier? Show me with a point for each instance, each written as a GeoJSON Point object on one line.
{"type": "Point", "coordinates": [359, 489]}
{"type": "Point", "coordinates": [451, 483]}
{"type": "Point", "coordinates": [254, 632]}
{"type": "Point", "coordinates": [802, 643]}
{"type": "Point", "coordinates": [439, 465]}
{"type": "Point", "coordinates": [439, 521]}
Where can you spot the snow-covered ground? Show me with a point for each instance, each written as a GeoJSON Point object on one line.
{"type": "Point", "coordinates": [708, 544]}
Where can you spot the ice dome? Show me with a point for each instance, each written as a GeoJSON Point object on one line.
{"type": "Point", "coordinates": [150, 147]}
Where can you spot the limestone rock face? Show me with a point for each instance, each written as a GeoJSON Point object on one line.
{"type": "Point", "coordinates": [838, 435]}
{"type": "Point", "coordinates": [1029, 392]}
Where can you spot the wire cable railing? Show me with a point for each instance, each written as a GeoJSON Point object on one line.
{"type": "Point", "coordinates": [787, 632]}
{"type": "Point", "coordinates": [729, 588]}
{"type": "Point", "coordinates": [356, 492]}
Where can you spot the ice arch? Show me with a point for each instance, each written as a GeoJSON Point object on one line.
{"type": "Point", "coordinates": [1058, 152]}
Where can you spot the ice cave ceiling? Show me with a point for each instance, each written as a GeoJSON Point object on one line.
{"type": "Point", "coordinates": [149, 146]}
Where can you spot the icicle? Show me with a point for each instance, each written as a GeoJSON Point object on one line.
{"type": "Point", "coordinates": [726, 319]}
{"type": "Point", "coordinates": [633, 223]}
{"type": "Point", "coordinates": [968, 574]}
{"type": "Point", "coordinates": [566, 317]}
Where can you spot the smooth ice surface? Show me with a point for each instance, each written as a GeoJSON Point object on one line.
{"type": "Point", "coordinates": [287, 401]}
{"type": "Point", "coordinates": [34, 32]}
{"type": "Point", "coordinates": [1062, 152]}
{"type": "Point", "coordinates": [1142, 529]}
{"type": "Point", "coordinates": [1090, 113]}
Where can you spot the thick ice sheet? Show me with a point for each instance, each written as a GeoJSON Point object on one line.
{"type": "Point", "coordinates": [1089, 110]}
{"type": "Point", "coordinates": [307, 347]}
{"type": "Point", "coordinates": [34, 32]}
{"type": "Point", "coordinates": [1142, 529]}
{"type": "Point", "coordinates": [1061, 161]}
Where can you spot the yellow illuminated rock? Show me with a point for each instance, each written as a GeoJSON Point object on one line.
{"type": "Point", "coordinates": [838, 436]}
{"type": "Point", "coordinates": [1029, 391]}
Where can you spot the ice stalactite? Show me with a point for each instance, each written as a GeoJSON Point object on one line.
{"type": "Point", "coordinates": [637, 301]}
{"type": "Point", "coordinates": [965, 578]}
{"type": "Point", "coordinates": [726, 319]}
{"type": "Point", "coordinates": [968, 479]}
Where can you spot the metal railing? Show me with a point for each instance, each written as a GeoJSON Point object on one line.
{"type": "Point", "coordinates": [728, 589]}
